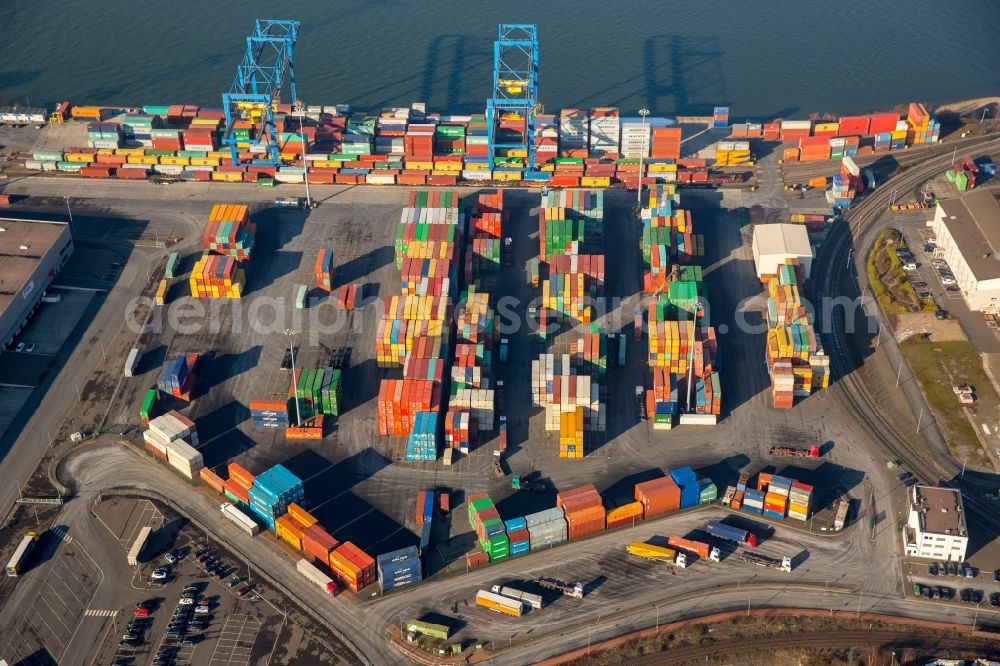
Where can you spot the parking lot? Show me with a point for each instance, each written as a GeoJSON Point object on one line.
{"type": "Point", "coordinates": [953, 583]}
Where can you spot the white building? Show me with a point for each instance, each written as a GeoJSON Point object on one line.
{"type": "Point", "coordinates": [936, 525]}
{"type": "Point", "coordinates": [968, 238]}
{"type": "Point", "coordinates": [773, 244]}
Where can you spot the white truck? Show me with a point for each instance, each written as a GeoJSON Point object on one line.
{"type": "Point", "coordinates": [240, 519]}
{"type": "Point", "coordinates": [533, 600]}
{"type": "Point", "coordinates": [131, 363]}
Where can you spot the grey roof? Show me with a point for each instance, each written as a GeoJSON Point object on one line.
{"type": "Point", "coordinates": [973, 221]}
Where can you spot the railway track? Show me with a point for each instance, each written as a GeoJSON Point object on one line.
{"type": "Point", "coordinates": [892, 640]}
{"type": "Point", "coordinates": [860, 221]}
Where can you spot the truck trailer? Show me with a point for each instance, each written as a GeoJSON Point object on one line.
{"type": "Point", "coordinates": [500, 603]}
{"type": "Point", "coordinates": [533, 600]}
{"type": "Point", "coordinates": [729, 533]}
{"type": "Point", "coordinates": [17, 562]}
{"type": "Point", "coordinates": [240, 519]}
{"type": "Point", "coordinates": [574, 590]}
{"type": "Point", "coordinates": [648, 551]}
{"type": "Point", "coordinates": [699, 548]}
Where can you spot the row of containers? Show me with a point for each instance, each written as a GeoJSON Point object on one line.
{"type": "Point", "coordinates": [312, 394]}
{"type": "Point", "coordinates": [274, 498]}
{"type": "Point", "coordinates": [569, 376]}
{"type": "Point", "coordinates": [446, 350]}
{"type": "Point", "coordinates": [579, 512]}
{"type": "Point", "coordinates": [407, 146]}
{"type": "Point", "coordinates": [228, 241]}
{"type": "Point", "coordinates": [173, 438]}
{"type": "Point", "coordinates": [774, 496]}
{"type": "Point", "coordinates": [795, 357]}
{"type": "Point", "coordinates": [963, 174]}
{"type": "Point", "coordinates": [683, 352]}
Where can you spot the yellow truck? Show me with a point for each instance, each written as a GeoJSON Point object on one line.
{"type": "Point", "coordinates": [648, 551]}
{"type": "Point", "coordinates": [499, 603]}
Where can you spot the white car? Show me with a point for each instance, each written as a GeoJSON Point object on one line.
{"type": "Point", "coordinates": [158, 575]}
{"type": "Point", "coordinates": [909, 266]}
{"type": "Point", "coordinates": [947, 280]}
{"type": "Point", "coordinates": [185, 602]}
{"type": "Point", "coordinates": [202, 610]}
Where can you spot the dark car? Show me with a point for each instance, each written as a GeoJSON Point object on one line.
{"type": "Point", "coordinates": [236, 580]}
{"type": "Point", "coordinates": [995, 600]}
{"type": "Point", "coordinates": [919, 284]}
{"type": "Point", "coordinates": [951, 288]}
{"type": "Point", "coordinates": [996, 575]}
{"type": "Point", "coordinates": [977, 596]}
{"type": "Point", "coordinates": [925, 592]}
{"type": "Point", "coordinates": [244, 591]}
{"type": "Point", "coordinates": [946, 592]}
{"type": "Point", "coordinates": [932, 569]}
{"type": "Point", "coordinates": [952, 568]}
{"type": "Point", "coordinates": [941, 314]}
{"type": "Point", "coordinates": [965, 595]}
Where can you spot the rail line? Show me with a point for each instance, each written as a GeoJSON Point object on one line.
{"type": "Point", "coordinates": [848, 639]}
{"type": "Point", "coordinates": [852, 390]}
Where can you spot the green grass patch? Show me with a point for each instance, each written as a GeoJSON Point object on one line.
{"type": "Point", "coordinates": [889, 282]}
{"type": "Point", "coordinates": [941, 365]}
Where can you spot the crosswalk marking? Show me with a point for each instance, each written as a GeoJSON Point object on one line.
{"type": "Point", "coordinates": [60, 533]}
{"type": "Point", "coordinates": [94, 612]}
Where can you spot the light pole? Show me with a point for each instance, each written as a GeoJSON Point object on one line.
{"type": "Point", "coordinates": [657, 619]}
{"type": "Point", "coordinates": [898, 373]}
{"type": "Point", "coordinates": [301, 112]}
{"type": "Point", "coordinates": [295, 384]}
{"type": "Point", "coordinates": [646, 146]}
{"type": "Point", "coordinates": [70, 212]}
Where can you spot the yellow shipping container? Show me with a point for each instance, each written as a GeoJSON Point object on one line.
{"type": "Point", "coordinates": [79, 157]}
{"type": "Point", "coordinates": [130, 151]}
{"type": "Point", "coordinates": [826, 127]}
{"type": "Point", "coordinates": [657, 167]}
{"type": "Point", "coordinates": [511, 176]}
{"type": "Point", "coordinates": [227, 177]}
{"type": "Point", "coordinates": [204, 161]}
{"type": "Point", "coordinates": [595, 181]}
{"type": "Point", "coordinates": [176, 161]}
{"type": "Point", "coordinates": [423, 166]}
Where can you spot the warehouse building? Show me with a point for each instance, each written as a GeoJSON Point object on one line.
{"type": "Point", "coordinates": [936, 526]}
{"type": "Point", "coordinates": [774, 244]}
{"type": "Point", "coordinates": [31, 255]}
{"type": "Point", "coordinates": [968, 238]}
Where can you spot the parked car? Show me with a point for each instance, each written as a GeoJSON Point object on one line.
{"type": "Point", "coordinates": [970, 572]}
{"type": "Point", "coordinates": [186, 601]}
{"type": "Point", "coordinates": [243, 591]}
{"type": "Point", "coordinates": [140, 612]}
{"type": "Point", "coordinates": [170, 559]}
{"type": "Point", "coordinates": [946, 592]}
{"type": "Point", "coordinates": [919, 284]}
{"type": "Point", "coordinates": [233, 582]}
{"type": "Point", "coordinates": [941, 314]}
{"type": "Point", "coordinates": [939, 263]}
{"type": "Point", "coordinates": [951, 288]}
{"type": "Point", "coordinates": [30, 348]}
{"type": "Point", "coordinates": [202, 610]}
{"type": "Point", "coordinates": [923, 294]}
{"type": "Point", "coordinates": [952, 568]}
{"type": "Point", "coordinates": [19, 347]}
{"type": "Point", "coordinates": [909, 266]}
{"type": "Point", "coordinates": [995, 600]}
{"type": "Point", "coordinates": [946, 280]}
{"type": "Point", "coordinates": [932, 569]}
{"type": "Point", "coordinates": [977, 596]}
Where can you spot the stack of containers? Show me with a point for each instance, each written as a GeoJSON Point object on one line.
{"type": "Point", "coordinates": [292, 525]}
{"type": "Point", "coordinates": [217, 277]}
{"type": "Point", "coordinates": [794, 130]}
{"type": "Point", "coordinates": [318, 391]}
{"type": "Point", "coordinates": [237, 486]}
{"type": "Point", "coordinates": [681, 340]}
{"type": "Point", "coordinates": [605, 132]}
{"type": "Point", "coordinates": [168, 428]}
{"type": "Point", "coordinates": [459, 429]}
{"type": "Point", "coordinates": [485, 521]}
{"type": "Point", "coordinates": [425, 507]}
{"type": "Point", "coordinates": [517, 534]}
{"type": "Point", "coordinates": [707, 491]}
{"type": "Point", "coordinates": [324, 269]}
{"type": "Point", "coordinates": [318, 544]}
{"type": "Point", "coordinates": [269, 413]}
{"type": "Point", "coordinates": [399, 401]}
{"type": "Point", "coordinates": [546, 528]}
{"type": "Point", "coordinates": [685, 479]}
{"type": "Point", "coordinates": [546, 138]}
{"type": "Point", "coordinates": [179, 376]}
{"type": "Point", "coordinates": [272, 492]}
{"type": "Point", "coordinates": [799, 499]}
{"type": "Point", "coordinates": [352, 566]}
{"type": "Point", "coordinates": [573, 133]}
{"type": "Point", "coordinates": [720, 116]}
{"type": "Point", "coordinates": [658, 496]}
{"type": "Point", "coordinates": [625, 515]}
{"type": "Point", "coordinates": [229, 231]}
{"type": "Point", "coordinates": [814, 148]}
{"type": "Point", "coordinates": [666, 143]}
{"type": "Point", "coordinates": [398, 568]}
{"type": "Point", "coordinates": [104, 135]}
{"type": "Point", "coordinates": [733, 153]}
{"type": "Point", "coordinates": [797, 362]}
{"type": "Point", "coordinates": [920, 126]}
{"type": "Point", "coordinates": [584, 511]}
{"type": "Point", "coordinates": [753, 500]}
{"type": "Point", "coordinates": [557, 386]}
{"type": "Point", "coordinates": [421, 444]}
{"type": "Point", "coordinates": [776, 497]}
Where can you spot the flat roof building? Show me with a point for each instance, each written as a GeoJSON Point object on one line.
{"type": "Point", "coordinates": [773, 244]}
{"type": "Point", "coordinates": [936, 526]}
{"type": "Point", "coordinates": [968, 238]}
{"type": "Point", "coordinates": [32, 253]}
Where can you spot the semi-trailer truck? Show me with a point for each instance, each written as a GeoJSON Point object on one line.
{"type": "Point", "coordinates": [499, 603]}
{"type": "Point", "coordinates": [533, 600]}
{"type": "Point", "coordinates": [574, 590]}
{"type": "Point", "coordinates": [657, 553]}
{"type": "Point", "coordinates": [730, 533]}
{"type": "Point", "coordinates": [779, 563]}
{"type": "Point", "coordinates": [240, 519]}
{"type": "Point", "coordinates": [17, 562]}
{"type": "Point", "coordinates": [698, 548]}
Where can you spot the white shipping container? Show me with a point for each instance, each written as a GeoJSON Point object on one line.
{"type": "Point", "coordinates": [240, 519]}
{"type": "Point", "coordinates": [380, 179]}
{"type": "Point", "coordinates": [132, 362]}
{"type": "Point", "coordinates": [284, 177]}
{"type": "Point", "coordinates": [311, 572]}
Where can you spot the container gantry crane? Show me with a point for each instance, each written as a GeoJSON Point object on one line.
{"type": "Point", "coordinates": [256, 90]}
{"type": "Point", "coordinates": [515, 92]}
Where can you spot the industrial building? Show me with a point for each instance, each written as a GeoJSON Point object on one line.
{"type": "Point", "coordinates": [32, 253]}
{"type": "Point", "coordinates": [936, 527]}
{"type": "Point", "coordinates": [775, 244]}
{"type": "Point", "coordinates": [968, 238]}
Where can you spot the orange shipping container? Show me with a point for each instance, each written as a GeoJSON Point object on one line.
{"type": "Point", "coordinates": [658, 496]}
{"type": "Point", "coordinates": [213, 480]}
{"type": "Point", "coordinates": [300, 515]}
{"type": "Point", "coordinates": [240, 475]}
{"type": "Point", "coordinates": [624, 515]}
{"type": "Point", "coordinates": [236, 490]}
{"type": "Point", "coordinates": [344, 569]}
{"type": "Point", "coordinates": [318, 544]}
{"type": "Point", "coordinates": [288, 530]}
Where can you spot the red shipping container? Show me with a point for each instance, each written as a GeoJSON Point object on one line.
{"type": "Point", "coordinates": [240, 475]}
{"type": "Point", "coordinates": [476, 559]}
{"type": "Point", "coordinates": [882, 123]}
{"type": "Point", "coordinates": [318, 544]}
{"type": "Point", "coordinates": [237, 491]}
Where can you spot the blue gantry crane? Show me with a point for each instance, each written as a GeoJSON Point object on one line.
{"type": "Point", "coordinates": [257, 88]}
{"type": "Point", "coordinates": [515, 90]}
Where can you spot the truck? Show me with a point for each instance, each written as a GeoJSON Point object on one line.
{"type": "Point", "coordinates": [132, 363]}
{"type": "Point", "coordinates": [648, 551]}
{"type": "Point", "coordinates": [699, 548]}
{"type": "Point", "coordinates": [300, 297]}
{"type": "Point", "coordinates": [315, 575]}
{"type": "Point", "coordinates": [503, 433]}
{"type": "Point", "coordinates": [640, 402]}
{"type": "Point", "coordinates": [574, 590]}
{"type": "Point", "coordinates": [444, 502]}
{"type": "Point", "coordinates": [504, 345]}
{"type": "Point", "coordinates": [18, 561]}
{"type": "Point", "coordinates": [240, 519]}
{"type": "Point", "coordinates": [785, 451]}
{"type": "Point", "coordinates": [136, 550]}
{"type": "Point", "coordinates": [500, 603]}
{"type": "Point", "coordinates": [778, 563]}
{"type": "Point", "coordinates": [449, 456]}
{"type": "Point", "coordinates": [508, 251]}
{"type": "Point", "coordinates": [497, 467]}
{"type": "Point", "coordinates": [621, 349]}
{"type": "Point", "coordinates": [171, 267]}
{"type": "Point", "coordinates": [517, 483]}
{"type": "Point", "coordinates": [533, 600]}
{"type": "Point", "coordinates": [729, 533]}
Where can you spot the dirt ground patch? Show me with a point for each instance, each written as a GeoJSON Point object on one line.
{"type": "Point", "coordinates": [925, 323]}
{"type": "Point", "coordinates": [941, 365]}
{"type": "Point", "coordinates": [889, 281]}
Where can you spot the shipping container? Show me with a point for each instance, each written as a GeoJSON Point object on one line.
{"type": "Point", "coordinates": [246, 524]}
{"type": "Point", "coordinates": [499, 603]}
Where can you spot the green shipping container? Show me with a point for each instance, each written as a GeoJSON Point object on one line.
{"type": "Point", "coordinates": [148, 405]}
{"type": "Point", "coordinates": [171, 265]}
